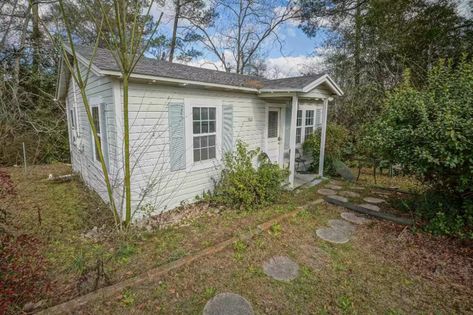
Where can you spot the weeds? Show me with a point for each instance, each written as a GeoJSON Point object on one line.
{"type": "Point", "coordinates": [239, 247]}
{"type": "Point", "coordinates": [128, 297]}
{"type": "Point", "coordinates": [275, 229]}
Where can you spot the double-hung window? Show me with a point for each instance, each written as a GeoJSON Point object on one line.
{"type": "Point", "coordinates": [299, 126]}
{"type": "Point", "coordinates": [204, 133]}
{"type": "Point", "coordinates": [309, 123]}
{"type": "Point", "coordinates": [96, 121]}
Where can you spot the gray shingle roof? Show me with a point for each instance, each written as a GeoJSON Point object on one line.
{"type": "Point", "coordinates": [147, 66]}
{"type": "Point", "coordinates": [291, 83]}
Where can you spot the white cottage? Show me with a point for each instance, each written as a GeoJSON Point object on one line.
{"type": "Point", "coordinates": [182, 119]}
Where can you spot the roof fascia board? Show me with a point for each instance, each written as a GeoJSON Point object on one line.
{"type": "Point", "coordinates": [323, 79]}
{"type": "Point", "coordinates": [180, 81]}
{"type": "Point", "coordinates": [96, 70]}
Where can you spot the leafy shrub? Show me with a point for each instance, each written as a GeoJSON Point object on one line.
{"type": "Point", "coordinates": [430, 133]}
{"type": "Point", "coordinates": [337, 146]}
{"type": "Point", "coordinates": [249, 180]}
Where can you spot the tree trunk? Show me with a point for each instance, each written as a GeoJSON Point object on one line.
{"type": "Point", "coordinates": [174, 30]}
{"type": "Point", "coordinates": [36, 44]}
{"type": "Point", "coordinates": [357, 43]}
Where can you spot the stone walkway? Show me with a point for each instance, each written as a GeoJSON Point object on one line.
{"type": "Point", "coordinates": [281, 268]}
{"type": "Point", "coordinates": [228, 304]}
{"type": "Point", "coordinates": [341, 231]}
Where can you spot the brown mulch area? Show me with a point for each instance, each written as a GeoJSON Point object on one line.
{"type": "Point", "coordinates": [432, 257]}
{"type": "Point", "coordinates": [6, 184]}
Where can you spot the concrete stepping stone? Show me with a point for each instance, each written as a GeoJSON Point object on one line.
{"type": "Point", "coordinates": [381, 193]}
{"type": "Point", "coordinates": [340, 198]}
{"type": "Point", "coordinates": [347, 193]}
{"type": "Point", "coordinates": [357, 188]}
{"type": "Point", "coordinates": [369, 206]}
{"type": "Point", "coordinates": [336, 182]}
{"type": "Point", "coordinates": [228, 304]}
{"type": "Point", "coordinates": [334, 187]}
{"type": "Point", "coordinates": [373, 200]}
{"type": "Point", "coordinates": [353, 218]}
{"type": "Point", "coordinates": [326, 192]}
{"type": "Point", "coordinates": [342, 225]}
{"type": "Point", "coordinates": [281, 268]}
{"type": "Point", "coordinates": [332, 235]}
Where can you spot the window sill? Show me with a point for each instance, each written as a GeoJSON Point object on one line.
{"type": "Point", "coordinates": [207, 164]}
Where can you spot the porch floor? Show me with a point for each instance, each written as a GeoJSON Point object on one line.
{"type": "Point", "coordinates": [306, 180]}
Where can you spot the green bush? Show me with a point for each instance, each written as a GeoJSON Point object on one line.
{"type": "Point", "coordinates": [248, 181]}
{"type": "Point", "coordinates": [337, 146]}
{"type": "Point", "coordinates": [430, 133]}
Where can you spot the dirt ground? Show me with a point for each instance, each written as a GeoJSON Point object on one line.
{"type": "Point", "coordinates": [384, 269]}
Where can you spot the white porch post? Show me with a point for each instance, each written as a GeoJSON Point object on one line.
{"type": "Point", "coordinates": [292, 140]}
{"type": "Point", "coordinates": [322, 137]}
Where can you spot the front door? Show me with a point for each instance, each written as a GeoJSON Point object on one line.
{"type": "Point", "coordinates": [273, 137]}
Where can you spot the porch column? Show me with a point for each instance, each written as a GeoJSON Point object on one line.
{"type": "Point", "coordinates": [322, 137]}
{"type": "Point", "coordinates": [292, 140]}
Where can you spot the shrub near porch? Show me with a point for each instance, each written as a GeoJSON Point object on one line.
{"type": "Point", "coordinates": [244, 185]}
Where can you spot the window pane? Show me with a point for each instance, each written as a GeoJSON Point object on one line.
{"type": "Point", "coordinates": [298, 135]}
{"type": "Point", "coordinates": [204, 154]}
{"type": "Point", "coordinates": [196, 113]}
{"type": "Point", "coordinates": [309, 117]}
{"type": "Point", "coordinates": [299, 118]}
{"type": "Point", "coordinates": [211, 126]}
{"type": "Point", "coordinates": [211, 152]}
{"type": "Point", "coordinates": [273, 121]}
{"type": "Point", "coordinates": [211, 140]}
{"type": "Point", "coordinates": [308, 131]}
{"type": "Point", "coordinates": [196, 155]}
{"type": "Point", "coordinates": [196, 142]}
{"type": "Point", "coordinates": [95, 117]}
{"type": "Point", "coordinates": [204, 113]}
{"type": "Point", "coordinates": [205, 127]}
{"type": "Point", "coordinates": [196, 127]}
{"type": "Point", "coordinates": [204, 142]}
{"type": "Point", "coordinates": [212, 113]}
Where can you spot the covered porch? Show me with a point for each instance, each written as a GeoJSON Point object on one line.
{"type": "Point", "coordinates": [293, 115]}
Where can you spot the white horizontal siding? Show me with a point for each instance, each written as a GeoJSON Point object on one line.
{"type": "Point", "coordinates": [98, 88]}
{"type": "Point", "coordinates": [149, 135]}
{"type": "Point", "coordinates": [152, 181]}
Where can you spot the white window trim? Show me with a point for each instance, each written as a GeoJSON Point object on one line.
{"type": "Point", "coordinates": [74, 110]}
{"type": "Point", "coordinates": [305, 108]}
{"type": "Point", "coordinates": [96, 102]}
{"type": "Point", "coordinates": [209, 163]}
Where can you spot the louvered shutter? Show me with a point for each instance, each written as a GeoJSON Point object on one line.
{"type": "Point", "coordinates": [227, 128]}
{"type": "Point", "coordinates": [177, 137]}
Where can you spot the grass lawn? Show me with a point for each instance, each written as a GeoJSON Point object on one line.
{"type": "Point", "coordinates": [383, 269]}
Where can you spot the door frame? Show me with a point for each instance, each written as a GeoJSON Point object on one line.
{"type": "Point", "coordinates": [281, 130]}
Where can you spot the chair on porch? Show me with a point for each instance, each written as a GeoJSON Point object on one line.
{"type": "Point", "coordinates": [300, 159]}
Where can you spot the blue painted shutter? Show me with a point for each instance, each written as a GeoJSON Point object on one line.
{"type": "Point", "coordinates": [177, 137]}
{"type": "Point", "coordinates": [227, 128]}
{"type": "Point", "coordinates": [287, 131]}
